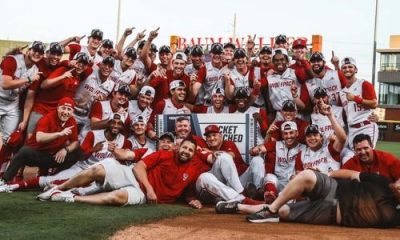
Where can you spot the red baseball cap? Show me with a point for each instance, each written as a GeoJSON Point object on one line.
{"type": "Point", "coordinates": [300, 42]}
{"type": "Point", "coordinates": [16, 138]}
{"type": "Point", "coordinates": [66, 101]}
{"type": "Point", "coordinates": [211, 129]}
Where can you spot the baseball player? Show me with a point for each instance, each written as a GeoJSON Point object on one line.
{"type": "Point", "coordinates": [147, 51]}
{"type": "Point", "coordinates": [281, 42]}
{"type": "Point", "coordinates": [265, 57]}
{"type": "Point", "coordinates": [321, 99]}
{"type": "Point", "coordinates": [96, 147]}
{"type": "Point", "coordinates": [165, 56]}
{"type": "Point", "coordinates": [331, 80]}
{"type": "Point", "coordinates": [161, 83]}
{"type": "Point", "coordinates": [17, 73]}
{"type": "Point", "coordinates": [196, 58]}
{"type": "Point", "coordinates": [212, 75]}
{"type": "Point", "coordinates": [119, 48]}
{"type": "Point", "coordinates": [163, 176]}
{"type": "Point", "coordinates": [324, 157]}
{"type": "Point", "coordinates": [244, 76]}
{"type": "Point", "coordinates": [222, 180]}
{"type": "Point", "coordinates": [217, 104]}
{"type": "Point", "coordinates": [91, 50]}
{"type": "Point", "coordinates": [106, 48]}
{"type": "Point", "coordinates": [47, 65]}
{"type": "Point", "coordinates": [289, 113]}
{"type": "Point", "coordinates": [171, 105]}
{"type": "Point", "coordinates": [359, 100]}
{"type": "Point", "coordinates": [279, 160]}
{"type": "Point", "coordinates": [142, 106]}
{"type": "Point", "coordinates": [347, 198]}
{"type": "Point", "coordinates": [301, 66]}
{"type": "Point", "coordinates": [242, 104]}
{"type": "Point", "coordinates": [63, 82]}
{"type": "Point", "coordinates": [98, 86]}
{"type": "Point", "coordinates": [138, 138]}
{"type": "Point", "coordinates": [280, 81]}
{"type": "Point", "coordinates": [227, 57]}
{"type": "Point", "coordinates": [101, 111]}
{"type": "Point", "coordinates": [369, 160]}
{"type": "Point", "coordinates": [123, 73]}
{"type": "Point", "coordinates": [53, 144]}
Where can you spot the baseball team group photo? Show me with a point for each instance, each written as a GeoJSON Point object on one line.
{"type": "Point", "coordinates": [154, 134]}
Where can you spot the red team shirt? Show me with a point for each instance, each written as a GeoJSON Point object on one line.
{"type": "Point", "coordinates": [161, 85]}
{"type": "Point", "coordinates": [50, 123]}
{"type": "Point", "coordinates": [301, 70]}
{"type": "Point", "coordinates": [229, 146]}
{"type": "Point", "coordinates": [47, 99]}
{"type": "Point", "coordinates": [384, 164]}
{"type": "Point", "coordinates": [169, 177]}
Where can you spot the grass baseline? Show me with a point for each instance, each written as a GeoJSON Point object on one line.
{"type": "Point", "coordinates": [23, 217]}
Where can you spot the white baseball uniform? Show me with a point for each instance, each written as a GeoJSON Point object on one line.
{"type": "Point", "coordinates": [322, 121]}
{"type": "Point", "coordinates": [325, 159]}
{"type": "Point", "coordinates": [357, 115]}
{"type": "Point", "coordinates": [239, 80]}
{"type": "Point", "coordinates": [86, 94]}
{"type": "Point", "coordinates": [330, 82]}
{"type": "Point", "coordinates": [280, 161]}
{"type": "Point", "coordinates": [214, 78]}
{"type": "Point", "coordinates": [92, 138]}
{"type": "Point", "coordinates": [9, 99]}
{"type": "Point", "coordinates": [119, 76]}
{"type": "Point", "coordinates": [279, 89]}
{"type": "Point", "coordinates": [134, 111]}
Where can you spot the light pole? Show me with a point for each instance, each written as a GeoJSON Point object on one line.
{"type": "Point", "coordinates": [374, 53]}
{"type": "Point", "coordinates": [118, 19]}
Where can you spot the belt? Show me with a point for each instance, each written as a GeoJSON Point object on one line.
{"type": "Point", "coordinates": [7, 99]}
{"type": "Point", "coordinates": [80, 112]}
{"type": "Point", "coordinates": [360, 124]}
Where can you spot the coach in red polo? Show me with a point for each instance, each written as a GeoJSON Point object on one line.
{"type": "Point", "coordinates": [54, 142]}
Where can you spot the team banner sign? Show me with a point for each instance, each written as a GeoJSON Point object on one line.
{"type": "Point", "coordinates": [239, 128]}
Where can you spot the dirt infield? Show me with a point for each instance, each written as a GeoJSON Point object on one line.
{"type": "Point", "coordinates": [205, 224]}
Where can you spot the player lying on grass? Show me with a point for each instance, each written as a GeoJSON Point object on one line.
{"type": "Point", "coordinates": [160, 177]}
{"type": "Point", "coordinates": [346, 198]}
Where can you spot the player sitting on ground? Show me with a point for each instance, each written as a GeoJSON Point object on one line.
{"type": "Point", "coordinates": [346, 198]}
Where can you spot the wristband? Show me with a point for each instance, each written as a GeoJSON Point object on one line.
{"type": "Point", "coordinates": [29, 80]}
{"type": "Point", "coordinates": [66, 149]}
{"type": "Point", "coordinates": [358, 99]}
{"type": "Point", "coordinates": [295, 96]}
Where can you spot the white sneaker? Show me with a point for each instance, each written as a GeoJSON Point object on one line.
{"type": "Point", "coordinates": [8, 188]}
{"type": "Point", "coordinates": [47, 194]}
{"type": "Point", "coordinates": [66, 196]}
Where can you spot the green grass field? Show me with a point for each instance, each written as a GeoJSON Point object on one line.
{"type": "Point", "coordinates": [23, 217]}
{"type": "Point", "coordinates": [393, 147]}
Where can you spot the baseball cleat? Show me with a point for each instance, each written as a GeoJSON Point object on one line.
{"type": "Point", "coordinates": [61, 196]}
{"type": "Point", "coordinates": [263, 216]}
{"type": "Point", "coordinates": [47, 194]}
{"type": "Point", "coordinates": [8, 188]}
{"type": "Point", "coordinates": [224, 207]}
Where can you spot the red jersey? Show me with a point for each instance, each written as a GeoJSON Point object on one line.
{"type": "Point", "coordinates": [169, 177]}
{"type": "Point", "coordinates": [229, 146]}
{"type": "Point", "coordinates": [384, 164]}
{"type": "Point", "coordinates": [301, 128]}
{"type": "Point", "coordinates": [50, 123]}
{"type": "Point", "coordinates": [47, 99]}
{"type": "Point", "coordinates": [161, 85]}
{"type": "Point", "coordinates": [301, 70]}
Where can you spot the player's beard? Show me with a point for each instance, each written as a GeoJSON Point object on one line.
{"type": "Point", "coordinates": [318, 70]}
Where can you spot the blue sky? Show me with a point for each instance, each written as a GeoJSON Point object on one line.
{"type": "Point", "coordinates": [346, 25]}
